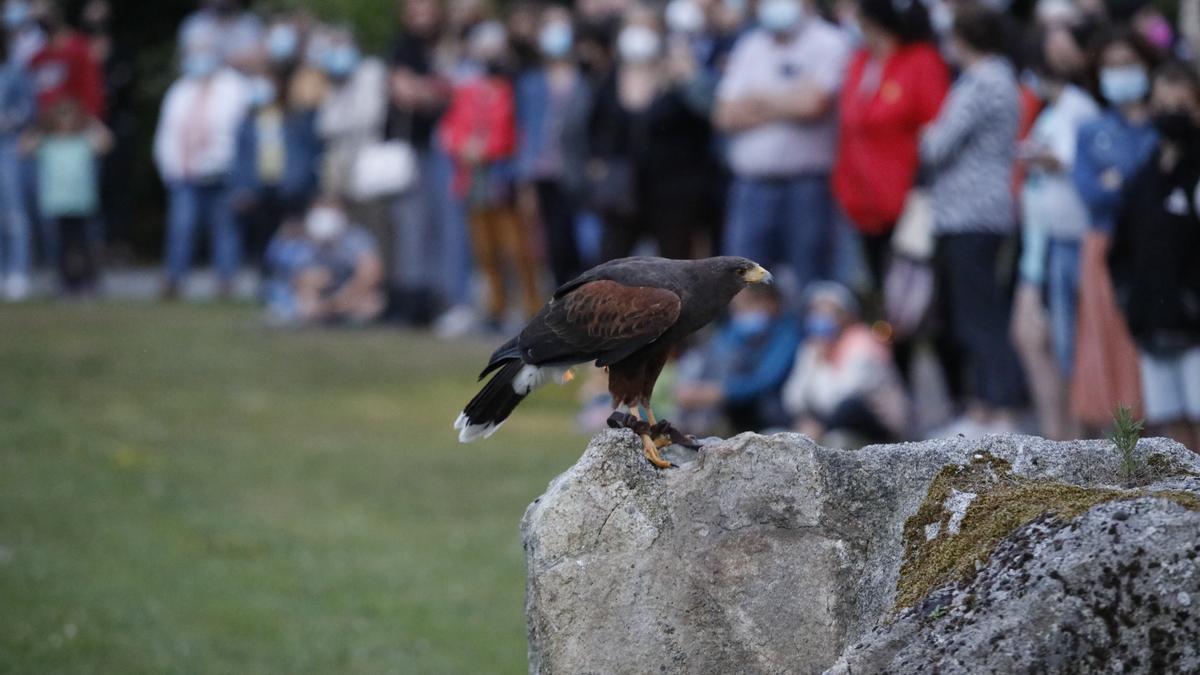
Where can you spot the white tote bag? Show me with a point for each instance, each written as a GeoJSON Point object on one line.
{"type": "Point", "coordinates": [913, 237]}
{"type": "Point", "coordinates": [383, 169]}
{"type": "Point", "coordinates": [909, 285]}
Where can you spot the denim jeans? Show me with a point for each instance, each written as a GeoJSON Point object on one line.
{"type": "Point", "coordinates": [1062, 296]}
{"type": "Point", "coordinates": [15, 237]}
{"type": "Point", "coordinates": [788, 221]}
{"type": "Point", "coordinates": [190, 206]}
{"type": "Point", "coordinates": [417, 233]}
{"type": "Point", "coordinates": [449, 212]}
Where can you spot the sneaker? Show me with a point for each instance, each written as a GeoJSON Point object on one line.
{"type": "Point", "coordinates": [16, 288]}
{"type": "Point", "coordinates": [456, 322]}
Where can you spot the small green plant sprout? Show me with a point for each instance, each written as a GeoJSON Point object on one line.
{"type": "Point", "coordinates": [1125, 435]}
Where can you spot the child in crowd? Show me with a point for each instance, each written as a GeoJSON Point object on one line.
{"type": "Point", "coordinates": [289, 252]}
{"type": "Point", "coordinates": [343, 279]}
{"type": "Point", "coordinates": [844, 380]}
{"type": "Point", "coordinates": [741, 371]}
{"type": "Point", "coordinates": [275, 167]}
{"type": "Point", "coordinates": [68, 149]}
{"type": "Point", "coordinates": [1155, 258]}
{"type": "Point", "coordinates": [479, 132]}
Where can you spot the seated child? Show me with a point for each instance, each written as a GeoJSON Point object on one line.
{"type": "Point", "coordinates": [343, 279]}
{"type": "Point", "coordinates": [742, 368]}
{"type": "Point", "coordinates": [844, 379]}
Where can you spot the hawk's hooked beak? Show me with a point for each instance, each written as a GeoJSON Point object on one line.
{"type": "Point", "coordinates": [758, 275]}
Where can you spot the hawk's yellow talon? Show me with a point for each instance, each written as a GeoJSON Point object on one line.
{"type": "Point", "coordinates": [651, 452]}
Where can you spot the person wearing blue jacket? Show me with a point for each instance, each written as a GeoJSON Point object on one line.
{"type": "Point", "coordinates": [552, 107]}
{"type": "Point", "coordinates": [275, 168]}
{"type": "Point", "coordinates": [746, 363]}
{"type": "Point", "coordinates": [1109, 152]}
{"type": "Point", "coordinates": [1111, 148]}
{"type": "Point", "coordinates": [16, 112]}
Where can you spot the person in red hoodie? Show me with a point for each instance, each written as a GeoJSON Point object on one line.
{"type": "Point", "coordinates": [66, 69]}
{"type": "Point", "coordinates": [894, 86]}
{"type": "Point", "coordinates": [479, 132]}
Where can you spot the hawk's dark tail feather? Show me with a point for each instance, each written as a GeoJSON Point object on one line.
{"type": "Point", "coordinates": [501, 356]}
{"type": "Point", "coordinates": [492, 405]}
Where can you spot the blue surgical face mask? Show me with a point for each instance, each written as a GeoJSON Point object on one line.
{"type": "Point", "coordinates": [341, 61]}
{"type": "Point", "coordinates": [201, 64]}
{"type": "Point", "coordinates": [821, 326]}
{"type": "Point", "coordinates": [1124, 84]}
{"type": "Point", "coordinates": [750, 323]}
{"type": "Point", "coordinates": [282, 43]}
{"type": "Point", "coordinates": [780, 16]}
{"type": "Point", "coordinates": [16, 14]}
{"type": "Point", "coordinates": [555, 40]}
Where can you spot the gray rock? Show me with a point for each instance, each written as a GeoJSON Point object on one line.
{"type": "Point", "coordinates": [1110, 591]}
{"type": "Point", "coordinates": [763, 555]}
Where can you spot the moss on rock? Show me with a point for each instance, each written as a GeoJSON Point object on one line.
{"type": "Point", "coordinates": [1003, 502]}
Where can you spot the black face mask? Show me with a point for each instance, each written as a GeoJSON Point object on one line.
{"type": "Point", "coordinates": [1175, 126]}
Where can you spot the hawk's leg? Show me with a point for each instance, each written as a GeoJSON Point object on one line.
{"type": "Point", "coordinates": [665, 433]}
{"type": "Point", "coordinates": [634, 422]}
{"type": "Point", "coordinates": [661, 440]}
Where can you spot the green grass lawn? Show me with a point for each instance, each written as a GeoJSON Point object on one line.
{"type": "Point", "coordinates": [183, 490]}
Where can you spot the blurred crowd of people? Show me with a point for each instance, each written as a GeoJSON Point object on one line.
{"type": "Point", "coordinates": [1010, 185]}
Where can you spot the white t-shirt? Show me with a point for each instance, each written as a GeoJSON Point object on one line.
{"type": "Point", "coordinates": [762, 65]}
{"type": "Point", "coordinates": [1050, 200]}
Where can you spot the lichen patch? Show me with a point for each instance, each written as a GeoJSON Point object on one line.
{"type": "Point", "coordinates": [969, 509]}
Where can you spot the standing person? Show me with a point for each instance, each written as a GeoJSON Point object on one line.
{"type": "Point", "coordinates": [776, 102]}
{"type": "Point", "coordinates": [16, 112]}
{"type": "Point", "coordinates": [66, 68]}
{"type": "Point", "coordinates": [275, 168]}
{"type": "Point", "coordinates": [418, 96]}
{"type": "Point", "coordinates": [1110, 151]}
{"type": "Point", "coordinates": [352, 117]}
{"type": "Point", "coordinates": [194, 148]}
{"type": "Point", "coordinates": [552, 106]}
{"type": "Point", "coordinates": [969, 152]}
{"type": "Point", "coordinates": [1054, 220]}
{"type": "Point", "coordinates": [894, 87]}
{"type": "Point", "coordinates": [118, 64]}
{"type": "Point", "coordinates": [1155, 259]}
{"type": "Point", "coordinates": [479, 132]}
{"type": "Point", "coordinates": [68, 152]}
{"type": "Point", "coordinates": [653, 169]}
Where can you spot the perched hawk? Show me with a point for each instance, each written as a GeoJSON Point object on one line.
{"type": "Point", "coordinates": [625, 315]}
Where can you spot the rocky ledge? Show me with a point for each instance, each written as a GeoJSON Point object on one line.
{"type": "Point", "coordinates": [776, 555]}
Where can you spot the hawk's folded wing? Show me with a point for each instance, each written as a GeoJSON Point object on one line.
{"type": "Point", "coordinates": [600, 320]}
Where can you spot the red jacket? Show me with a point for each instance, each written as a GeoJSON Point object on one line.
{"type": "Point", "coordinates": [877, 142]}
{"type": "Point", "coordinates": [66, 69]}
{"type": "Point", "coordinates": [481, 110]}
